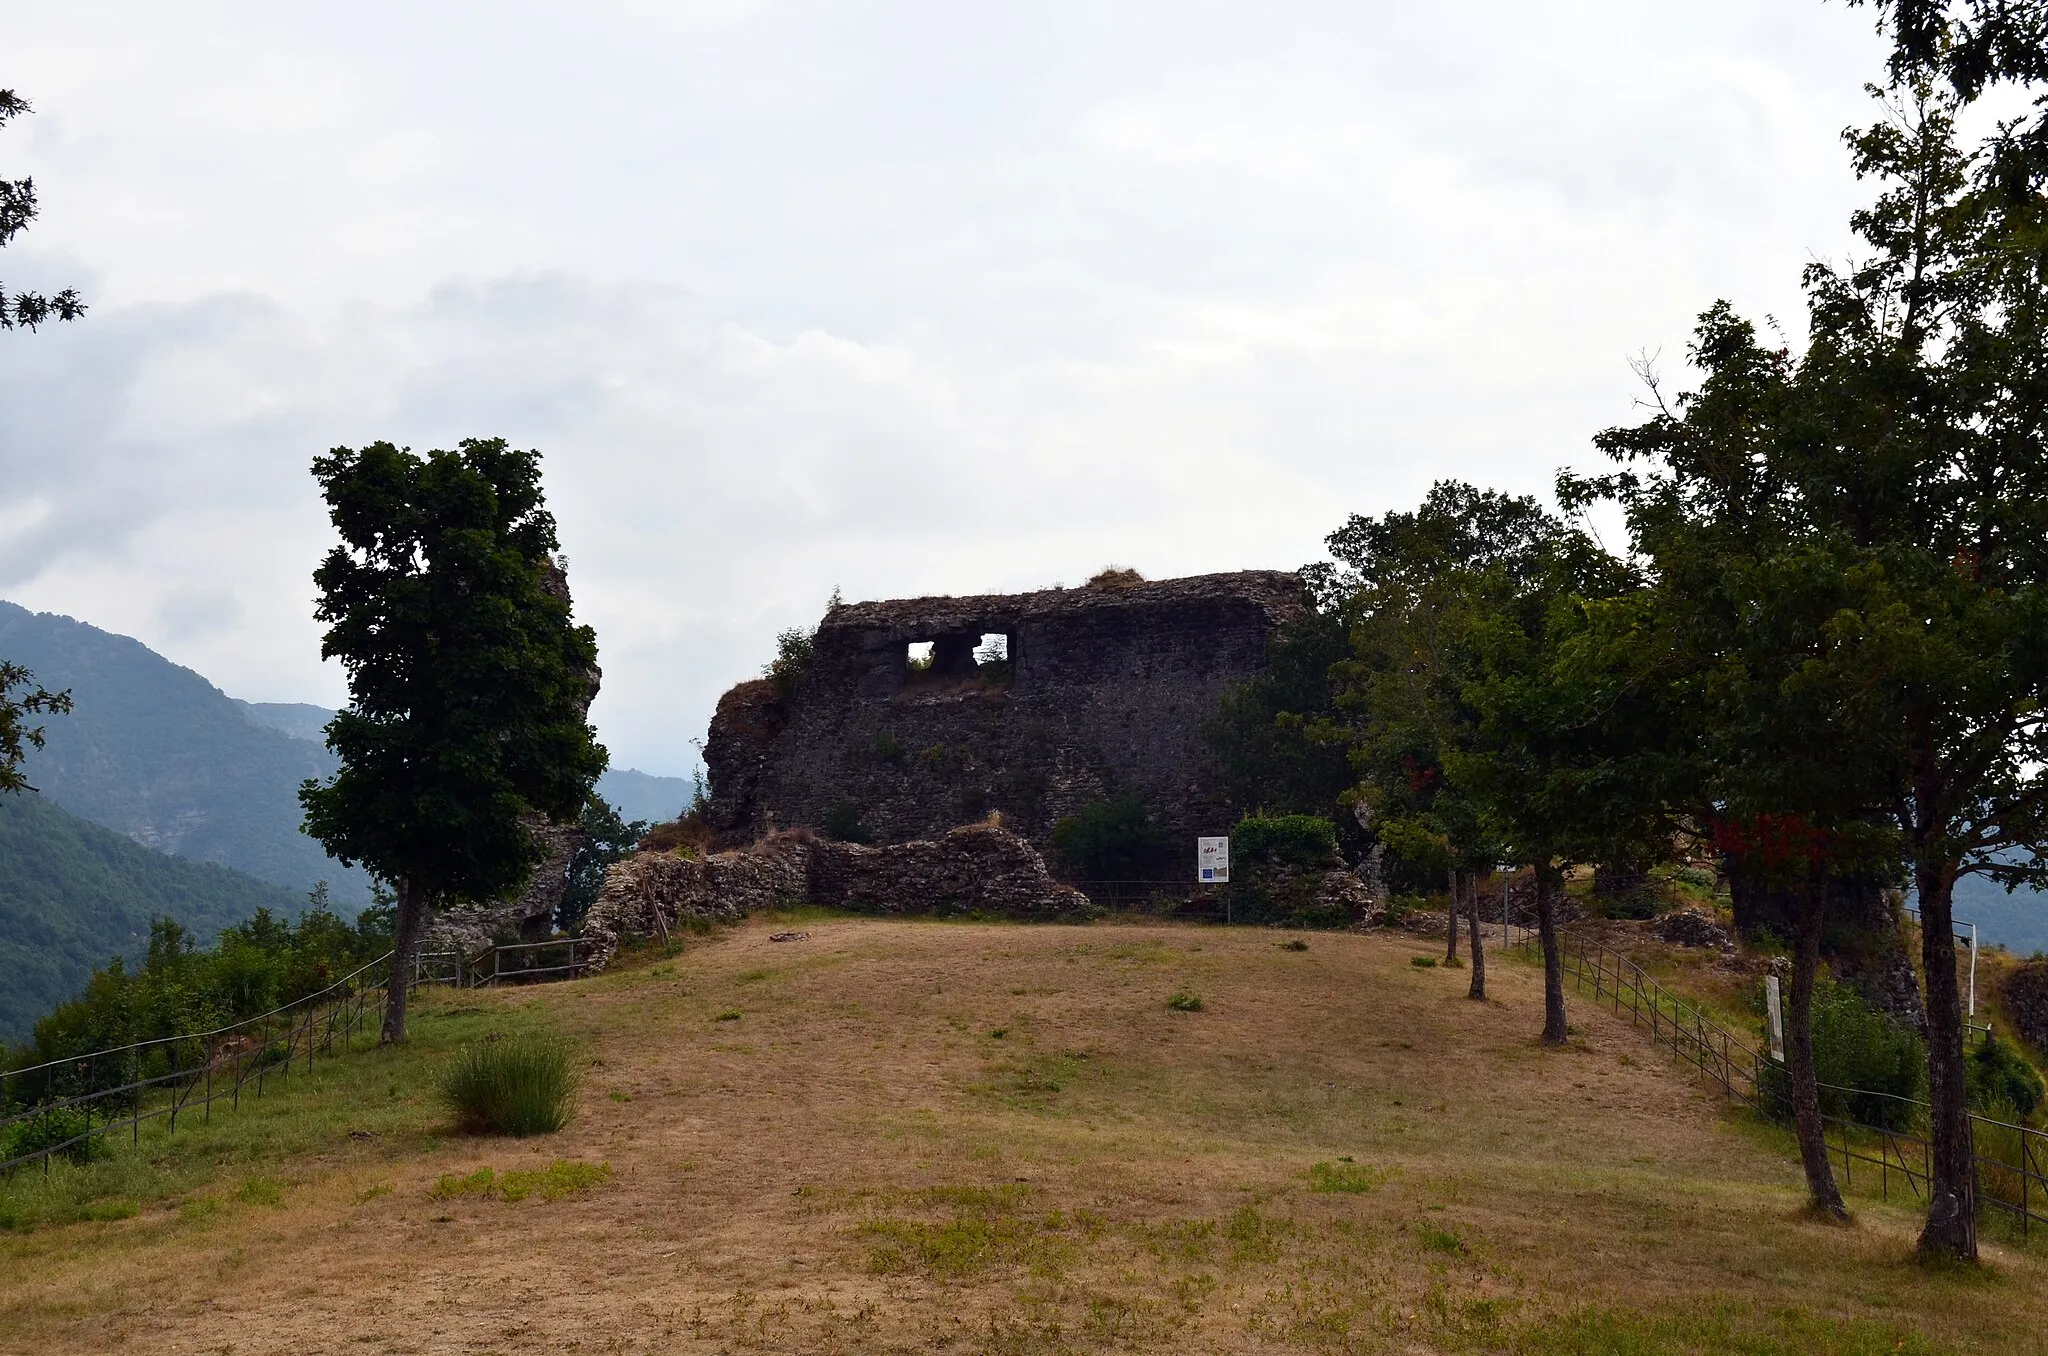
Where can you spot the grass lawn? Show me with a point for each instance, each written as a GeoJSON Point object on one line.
{"type": "Point", "coordinates": [914, 1136]}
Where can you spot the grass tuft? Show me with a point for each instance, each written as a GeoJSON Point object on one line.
{"type": "Point", "coordinates": [1346, 1177]}
{"type": "Point", "coordinates": [1184, 1002]}
{"type": "Point", "coordinates": [560, 1178]}
{"type": "Point", "coordinates": [525, 1085]}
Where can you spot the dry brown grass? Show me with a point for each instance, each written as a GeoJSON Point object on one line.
{"type": "Point", "coordinates": [920, 1137]}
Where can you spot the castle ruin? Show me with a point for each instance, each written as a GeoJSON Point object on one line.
{"type": "Point", "coordinates": [919, 715]}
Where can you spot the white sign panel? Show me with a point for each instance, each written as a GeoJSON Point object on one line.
{"type": "Point", "coordinates": [1777, 1018]}
{"type": "Point", "coordinates": [1212, 861]}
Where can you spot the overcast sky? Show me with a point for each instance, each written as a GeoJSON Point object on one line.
{"type": "Point", "coordinates": [898, 298]}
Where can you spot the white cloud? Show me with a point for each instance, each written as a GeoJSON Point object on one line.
{"type": "Point", "coordinates": [918, 297]}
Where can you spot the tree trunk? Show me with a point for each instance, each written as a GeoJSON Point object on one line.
{"type": "Point", "coordinates": [1951, 1229]}
{"type": "Point", "coordinates": [1554, 1030]}
{"type": "Point", "coordinates": [405, 945]}
{"type": "Point", "coordinates": [1451, 925]}
{"type": "Point", "coordinates": [1806, 1121]}
{"type": "Point", "coordinates": [1478, 989]}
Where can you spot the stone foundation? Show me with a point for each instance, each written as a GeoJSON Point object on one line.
{"type": "Point", "coordinates": [976, 869]}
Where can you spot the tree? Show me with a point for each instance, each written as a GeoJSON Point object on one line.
{"type": "Point", "coordinates": [467, 679]}
{"type": "Point", "coordinates": [17, 736]}
{"type": "Point", "coordinates": [26, 310]}
{"type": "Point", "coordinates": [1436, 596]}
{"type": "Point", "coordinates": [1895, 476]}
{"type": "Point", "coordinates": [607, 837]}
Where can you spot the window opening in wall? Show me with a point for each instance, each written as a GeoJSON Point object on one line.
{"type": "Point", "coordinates": [992, 658]}
{"type": "Point", "coordinates": [920, 656]}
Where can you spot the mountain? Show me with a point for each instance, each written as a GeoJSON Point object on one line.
{"type": "Point", "coordinates": [157, 753]}
{"type": "Point", "coordinates": [2016, 921]}
{"type": "Point", "coordinates": [72, 894]}
{"type": "Point", "coordinates": [300, 720]}
{"type": "Point", "coordinates": [642, 795]}
{"type": "Point", "coordinates": [635, 795]}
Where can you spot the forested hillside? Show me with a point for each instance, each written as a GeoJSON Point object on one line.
{"type": "Point", "coordinates": [72, 894]}
{"type": "Point", "coordinates": [157, 753]}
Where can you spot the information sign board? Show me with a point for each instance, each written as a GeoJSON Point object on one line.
{"type": "Point", "coordinates": [1212, 861]}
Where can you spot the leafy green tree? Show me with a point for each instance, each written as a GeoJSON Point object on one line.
{"type": "Point", "coordinates": [468, 680]}
{"type": "Point", "coordinates": [1893, 478]}
{"type": "Point", "coordinates": [26, 310]}
{"type": "Point", "coordinates": [1270, 737]}
{"type": "Point", "coordinates": [1430, 595]}
{"type": "Point", "coordinates": [20, 698]}
{"type": "Point", "coordinates": [607, 838]}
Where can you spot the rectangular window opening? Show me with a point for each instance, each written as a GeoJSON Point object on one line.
{"type": "Point", "coordinates": [992, 658]}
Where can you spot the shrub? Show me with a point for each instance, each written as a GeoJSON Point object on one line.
{"type": "Point", "coordinates": [1305, 842]}
{"type": "Point", "coordinates": [1108, 840]}
{"type": "Point", "coordinates": [522, 1086]}
{"type": "Point", "coordinates": [794, 650]}
{"type": "Point", "coordinates": [842, 823]}
{"type": "Point", "coordinates": [2000, 1076]}
{"type": "Point", "coordinates": [49, 1130]}
{"type": "Point", "coordinates": [1184, 1002]}
{"type": "Point", "coordinates": [1855, 1046]}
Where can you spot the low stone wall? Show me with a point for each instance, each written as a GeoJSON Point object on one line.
{"type": "Point", "coordinates": [980, 868]}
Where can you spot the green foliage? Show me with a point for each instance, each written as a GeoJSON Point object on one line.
{"type": "Point", "coordinates": [1184, 1001]}
{"type": "Point", "coordinates": [259, 964]}
{"type": "Point", "coordinates": [1304, 842]}
{"type": "Point", "coordinates": [17, 736]}
{"type": "Point", "coordinates": [26, 310]}
{"type": "Point", "coordinates": [843, 824]}
{"type": "Point", "coordinates": [794, 651]}
{"type": "Point", "coordinates": [1855, 1046]}
{"type": "Point", "coordinates": [1274, 736]}
{"type": "Point", "coordinates": [59, 1125]}
{"type": "Point", "coordinates": [607, 838]}
{"type": "Point", "coordinates": [522, 1085]}
{"type": "Point", "coordinates": [152, 750]}
{"type": "Point", "coordinates": [467, 678]}
{"type": "Point", "coordinates": [1999, 1075]}
{"type": "Point", "coordinates": [74, 894]}
{"type": "Point", "coordinates": [1109, 840]}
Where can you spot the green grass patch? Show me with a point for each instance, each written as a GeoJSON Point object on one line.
{"type": "Point", "coordinates": [1444, 1241]}
{"type": "Point", "coordinates": [1749, 1329]}
{"type": "Point", "coordinates": [560, 1178]}
{"type": "Point", "coordinates": [367, 1102]}
{"type": "Point", "coordinates": [1184, 1002]}
{"type": "Point", "coordinates": [522, 1085]}
{"type": "Point", "coordinates": [1423, 962]}
{"type": "Point", "coordinates": [1346, 1177]}
{"type": "Point", "coordinates": [729, 1015]}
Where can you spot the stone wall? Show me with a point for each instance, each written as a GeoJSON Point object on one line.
{"type": "Point", "coordinates": [1104, 691]}
{"type": "Point", "coordinates": [976, 869]}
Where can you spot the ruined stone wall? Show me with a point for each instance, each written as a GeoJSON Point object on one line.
{"type": "Point", "coordinates": [1105, 692]}
{"type": "Point", "coordinates": [975, 869]}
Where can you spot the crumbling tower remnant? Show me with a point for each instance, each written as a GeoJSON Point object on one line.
{"type": "Point", "coordinates": [918, 715]}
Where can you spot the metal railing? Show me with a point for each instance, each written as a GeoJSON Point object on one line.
{"type": "Point", "coordinates": [61, 1106]}
{"type": "Point", "coordinates": [512, 963]}
{"type": "Point", "coordinates": [2011, 1159]}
